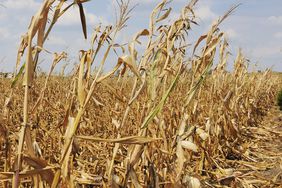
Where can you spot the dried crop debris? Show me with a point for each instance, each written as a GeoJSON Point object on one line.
{"type": "Point", "coordinates": [167, 120]}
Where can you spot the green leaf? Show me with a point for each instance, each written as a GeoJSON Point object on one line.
{"type": "Point", "coordinates": [159, 107]}
{"type": "Point", "coordinates": [16, 78]}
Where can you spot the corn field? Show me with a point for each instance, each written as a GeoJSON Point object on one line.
{"type": "Point", "coordinates": [170, 115]}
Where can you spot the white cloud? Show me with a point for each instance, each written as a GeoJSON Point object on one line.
{"type": "Point", "coordinates": [278, 35]}
{"type": "Point", "coordinates": [21, 4]}
{"type": "Point", "coordinates": [72, 17]}
{"type": "Point", "coordinates": [205, 13]}
{"type": "Point", "coordinates": [4, 33]}
{"type": "Point", "coordinates": [55, 40]}
{"type": "Point", "coordinates": [143, 1]}
{"type": "Point", "coordinates": [3, 16]}
{"type": "Point", "coordinates": [231, 33]}
{"type": "Point", "coordinates": [275, 19]}
{"type": "Point", "coordinates": [93, 19]}
{"type": "Point", "coordinates": [156, 2]}
{"type": "Point", "coordinates": [266, 51]}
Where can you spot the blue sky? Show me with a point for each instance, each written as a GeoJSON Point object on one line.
{"type": "Point", "coordinates": [256, 27]}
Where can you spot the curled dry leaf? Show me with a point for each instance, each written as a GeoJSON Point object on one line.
{"type": "Point", "coordinates": [116, 123]}
{"type": "Point", "coordinates": [191, 182]}
{"type": "Point", "coordinates": [124, 140]}
{"type": "Point", "coordinates": [202, 134]}
{"type": "Point", "coordinates": [128, 61]}
{"type": "Point", "coordinates": [189, 145]}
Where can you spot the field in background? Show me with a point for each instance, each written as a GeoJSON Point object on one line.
{"type": "Point", "coordinates": [161, 118]}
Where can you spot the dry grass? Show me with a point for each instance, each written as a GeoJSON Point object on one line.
{"type": "Point", "coordinates": [165, 121]}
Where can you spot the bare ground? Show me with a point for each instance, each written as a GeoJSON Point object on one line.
{"type": "Point", "coordinates": [262, 162]}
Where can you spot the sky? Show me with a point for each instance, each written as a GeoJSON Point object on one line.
{"type": "Point", "coordinates": [255, 26]}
